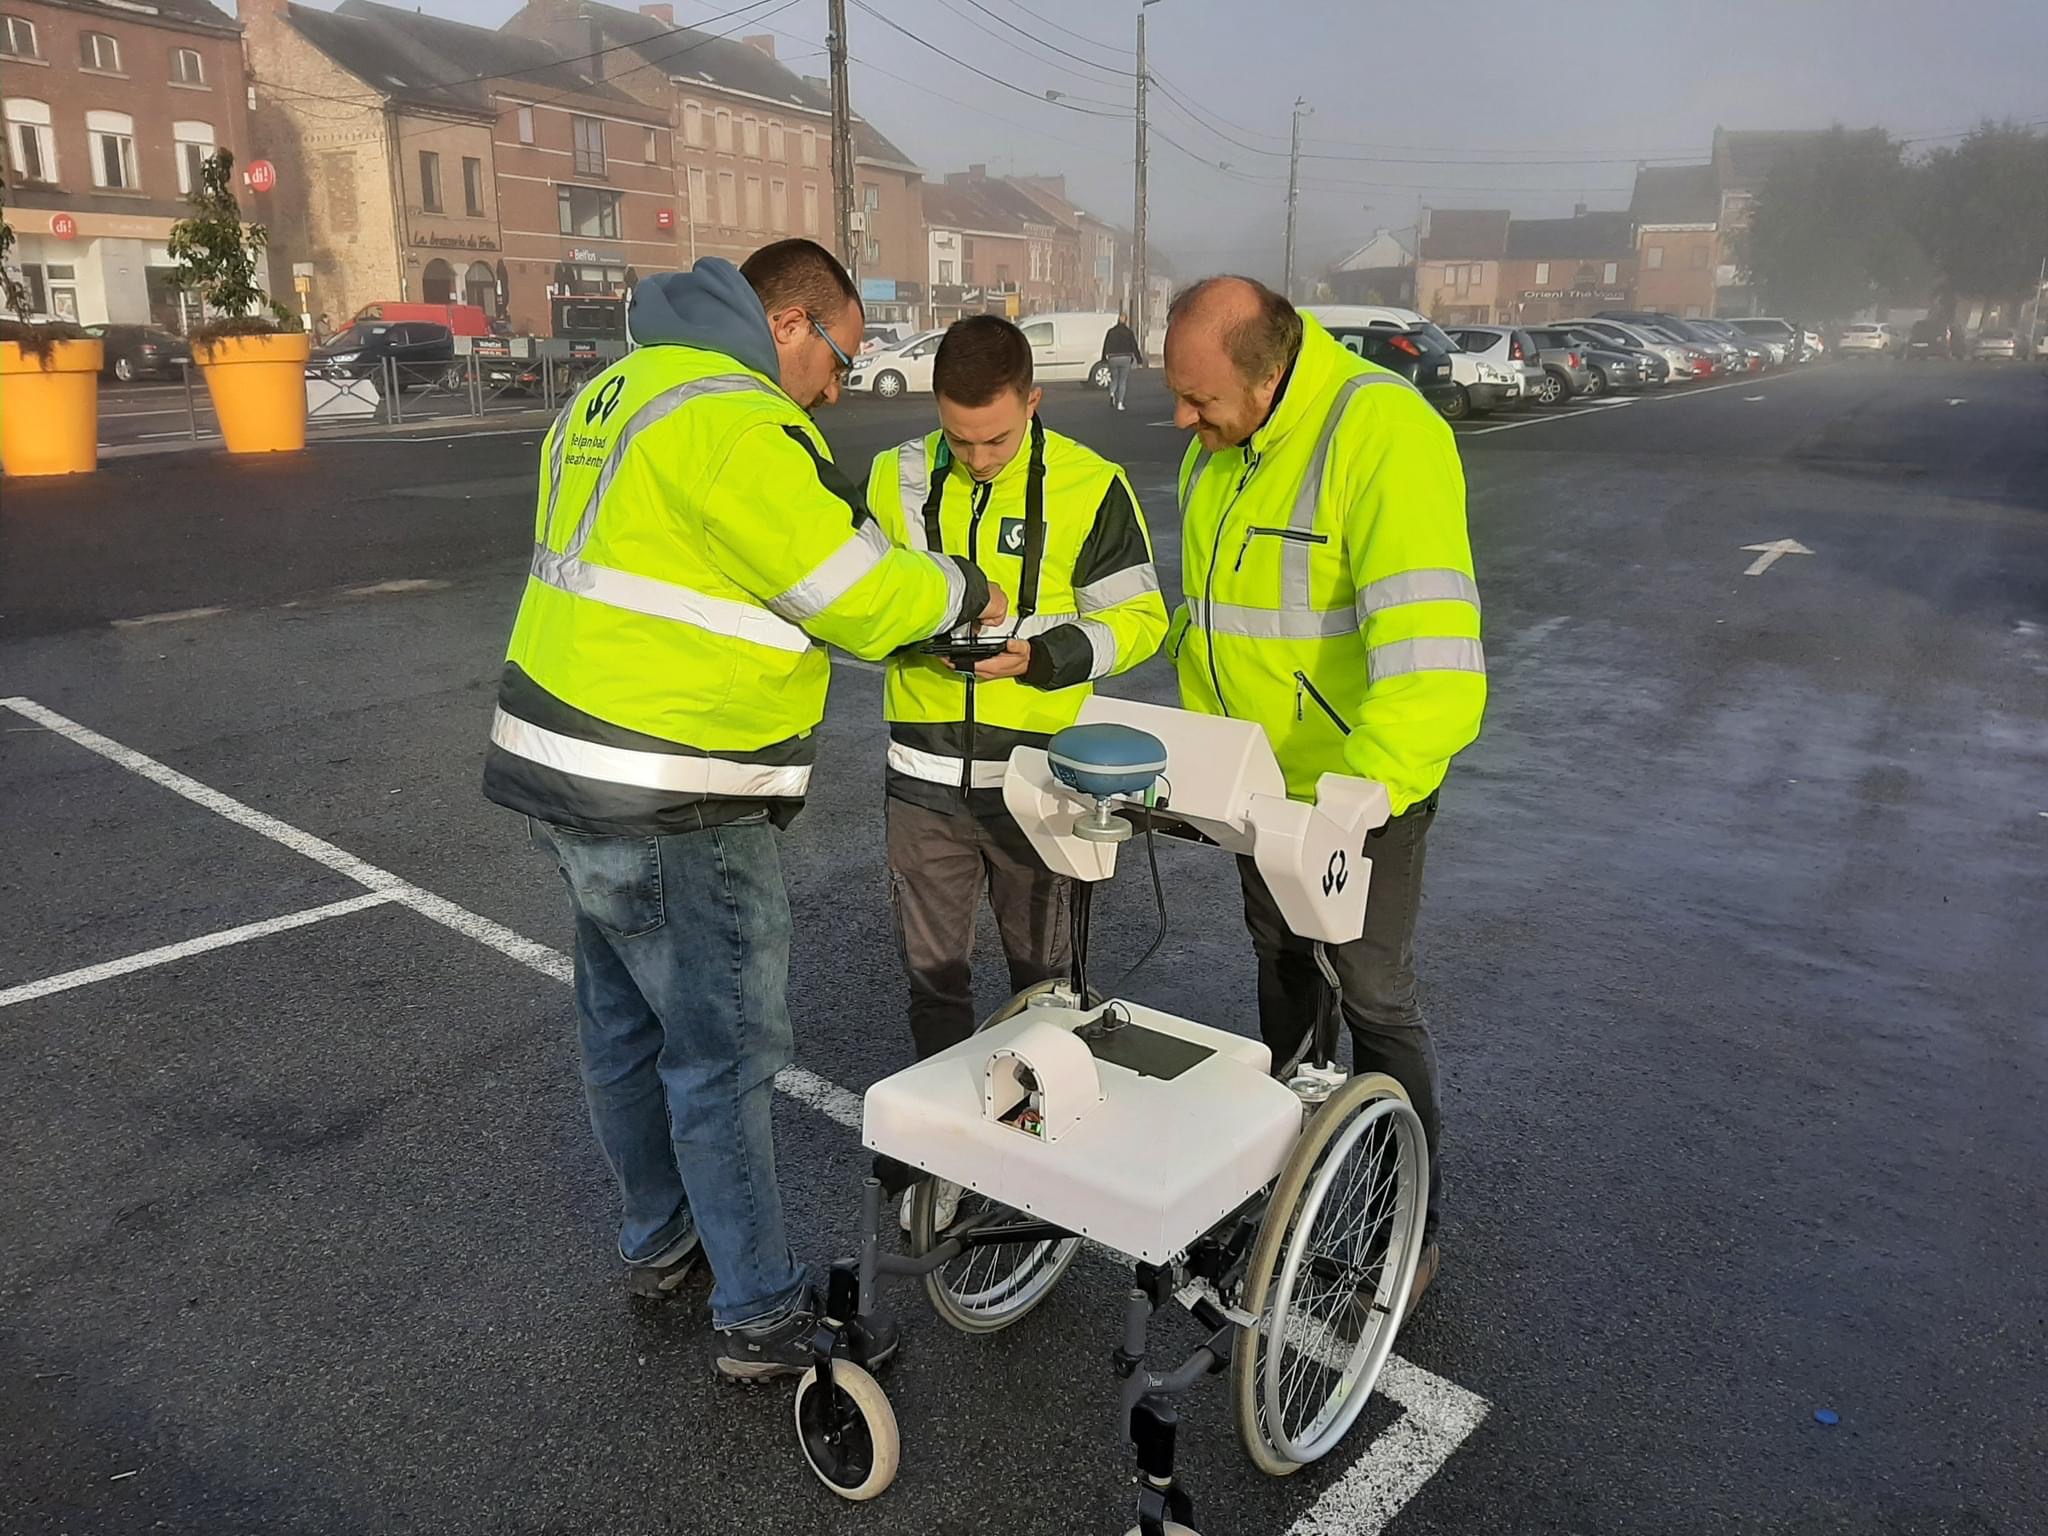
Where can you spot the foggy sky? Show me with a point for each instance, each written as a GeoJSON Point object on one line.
{"type": "Point", "coordinates": [1505, 82]}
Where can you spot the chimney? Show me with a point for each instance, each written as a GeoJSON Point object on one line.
{"type": "Point", "coordinates": [594, 49]}
{"type": "Point", "coordinates": [763, 42]}
{"type": "Point", "coordinates": [268, 12]}
{"type": "Point", "coordinates": [977, 172]}
{"type": "Point", "coordinates": [1578, 210]}
{"type": "Point", "coordinates": [665, 14]}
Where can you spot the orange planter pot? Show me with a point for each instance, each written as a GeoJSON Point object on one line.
{"type": "Point", "coordinates": [258, 385]}
{"type": "Point", "coordinates": [50, 416]}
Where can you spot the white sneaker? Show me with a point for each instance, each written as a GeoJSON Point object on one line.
{"type": "Point", "coordinates": [948, 1206]}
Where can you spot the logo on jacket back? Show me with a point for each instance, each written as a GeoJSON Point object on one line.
{"type": "Point", "coordinates": [1010, 536]}
{"type": "Point", "coordinates": [605, 401]}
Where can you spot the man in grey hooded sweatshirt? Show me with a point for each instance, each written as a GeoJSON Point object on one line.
{"type": "Point", "coordinates": [694, 547]}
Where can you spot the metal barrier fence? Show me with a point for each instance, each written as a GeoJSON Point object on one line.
{"type": "Point", "coordinates": [528, 374]}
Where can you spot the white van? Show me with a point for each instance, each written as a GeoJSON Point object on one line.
{"type": "Point", "coordinates": [1068, 345]}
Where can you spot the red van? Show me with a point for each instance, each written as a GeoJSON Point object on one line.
{"type": "Point", "coordinates": [462, 319]}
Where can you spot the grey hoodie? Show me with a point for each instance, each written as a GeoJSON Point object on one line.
{"type": "Point", "coordinates": [711, 306]}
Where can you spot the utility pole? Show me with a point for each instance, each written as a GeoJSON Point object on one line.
{"type": "Point", "coordinates": [1140, 284]}
{"type": "Point", "coordinates": [842, 136]}
{"type": "Point", "coordinates": [1293, 195]}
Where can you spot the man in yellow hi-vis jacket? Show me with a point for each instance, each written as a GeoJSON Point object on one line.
{"type": "Point", "coordinates": [694, 548]}
{"type": "Point", "coordinates": [1330, 597]}
{"type": "Point", "coordinates": [1057, 525]}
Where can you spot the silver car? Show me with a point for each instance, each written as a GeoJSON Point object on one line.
{"type": "Point", "coordinates": [1680, 361]}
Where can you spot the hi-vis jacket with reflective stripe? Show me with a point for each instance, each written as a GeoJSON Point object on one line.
{"type": "Point", "coordinates": [1059, 529]}
{"type": "Point", "coordinates": [1329, 589]}
{"type": "Point", "coordinates": [692, 539]}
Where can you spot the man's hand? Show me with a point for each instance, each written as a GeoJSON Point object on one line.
{"type": "Point", "coordinates": [1015, 658]}
{"type": "Point", "coordinates": [997, 610]}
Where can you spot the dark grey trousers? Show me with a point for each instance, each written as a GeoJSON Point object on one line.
{"type": "Point", "coordinates": [1376, 972]}
{"type": "Point", "coordinates": [939, 864]}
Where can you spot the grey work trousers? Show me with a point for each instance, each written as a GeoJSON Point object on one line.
{"type": "Point", "coordinates": [1376, 972]}
{"type": "Point", "coordinates": [939, 864]}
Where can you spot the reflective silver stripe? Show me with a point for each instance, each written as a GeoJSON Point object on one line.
{"type": "Point", "coordinates": [654, 410]}
{"type": "Point", "coordinates": [956, 590]}
{"type": "Point", "coordinates": [1194, 477]}
{"type": "Point", "coordinates": [1296, 554]}
{"type": "Point", "coordinates": [935, 768]}
{"type": "Point", "coordinates": [913, 484]}
{"type": "Point", "coordinates": [834, 576]}
{"type": "Point", "coordinates": [1436, 584]}
{"type": "Point", "coordinates": [1272, 623]}
{"type": "Point", "coordinates": [547, 520]}
{"type": "Point", "coordinates": [647, 770]}
{"type": "Point", "coordinates": [1431, 653]}
{"type": "Point", "coordinates": [1117, 587]}
{"type": "Point", "coordinates": [664, 600]}
{"type": "Point", "coordinates": [1037, 624]}
{"type": "Point", "coordinates": [1102, 641]}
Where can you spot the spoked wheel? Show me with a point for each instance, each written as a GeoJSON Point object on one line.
{"type": "Point", "coordinates": [986, 1289]}
{"type": "Point", "coordinates": [1330, 1273]}
{"type": "Point", "coordinates": [848, 1433]}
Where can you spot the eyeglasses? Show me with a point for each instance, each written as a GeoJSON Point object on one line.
{"type": "Point", "coordinates": [845, 362]}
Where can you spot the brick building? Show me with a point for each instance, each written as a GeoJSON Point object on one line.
{"type": "Point", "coordinates": [975, 250]}
{"type": "Point", "coordinates": [1677, 215]}
{"type": "Point", "coordinates": [1049, 273]}
{"type": "Point", "coordinates": [890, 248]}
{"type": "Point", "coordinates": [1558, 268]}
{"type": "Point", "coordinates": [109, 109]}
{"type": "Point", "coordinates": [1458, 269]}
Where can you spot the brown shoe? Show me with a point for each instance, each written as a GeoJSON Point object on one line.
{"type": "Point", "coordinates": [1425, 1272]}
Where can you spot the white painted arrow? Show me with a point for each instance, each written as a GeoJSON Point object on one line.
{"type": "Point", "coordinates": [1771, 553]}
{"type": "Point", "coordinates": [1752, 397]}
{"type": "Point", "coordinates": [1964, 401]}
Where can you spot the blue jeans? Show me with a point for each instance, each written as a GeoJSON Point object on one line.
{"type": "Point", "coordinates": [1120, 377]}
{"type": "Point", "coordinates": [682, 973]}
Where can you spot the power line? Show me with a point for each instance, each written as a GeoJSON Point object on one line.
{"type": "Point", "coordinates": [1066, 103]}
{"type": "Point", "coordinates": [1107, 69]}
{"type": "Point", "coordinates": [1070, 32]}
{"type": "Point", "coordinates": [1066, 70]}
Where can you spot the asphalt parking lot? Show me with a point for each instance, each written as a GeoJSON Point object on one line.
{"type": "Point", "coordinates": [1733, 946]}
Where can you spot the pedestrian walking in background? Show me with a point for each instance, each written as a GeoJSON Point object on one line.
{"type": "Point", "coordinates": [1123, 352]}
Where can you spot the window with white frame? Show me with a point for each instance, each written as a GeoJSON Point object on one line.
{"type": "Point", "coordinates": [18, 38]}
{"type": "Point", "coordinates": [112, 135]}
{"type": "Point", "coordinates": [753, 202]}
{"type": "Point", "coordinates": [721, 130]}
{"type": "Point", "coordinates": [31, 146]}
{"type": "Point", "coordinates": [807, 146]}
{"type": "Point", "coordinates": [945, 272]}
{"type": "Point", "coordinates": [1612, 272]}
{"type": "Point", "coordinates": [778, 143]}
{"type": "Point", "coordinates": [728, 199]}
{"type": "Point", "coordinates": [699, 209]}
{"type": "Point", "coordinates": [693, 123]}
{"type": "Point", "coordinates": [524, 125]}
{"type": "Point", "coordinates": [870, 196]}
{"type": "Point", "coordinates": [193, 142]}
{"type": "Point", "coordinates": [810, 206]}
{"type": "Point", "coordinates": [1542, 274]}
{"type": "Point", "coordinates": [648, 145]}
{"type": "Point", "coordinates": [874, 250]}
{"type": "Point", "coordinates": [589, 139]}
{"type": "Point", "coordinates": [778, 207]}
{"type": "Point", "coordinates": [187, 67]}
{"type": "Point", "coordinates": [1653, 257]}
{"type": "Point", "coordinates": [750, 137]}
{"type": "Point", "coordinates": [96, 50]}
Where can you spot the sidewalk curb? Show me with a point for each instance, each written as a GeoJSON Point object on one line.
{"type": "Point", "coordinates": [535, 419]}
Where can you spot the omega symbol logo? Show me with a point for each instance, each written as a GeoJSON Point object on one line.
{"type": "Point", "coordinates": [1334, 877]}
{"type": "Point", "coordinates": [605, 401]}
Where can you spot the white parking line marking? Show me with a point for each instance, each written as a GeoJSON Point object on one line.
{"type": "Point", "coordinates": [1437, 1417]}
{"type": "Point", "coordinates": [175, 616]}
{"type": "Point", "coordinates": [1437, 1414]}
{"type": "Point", "coordinates": [169, 954]}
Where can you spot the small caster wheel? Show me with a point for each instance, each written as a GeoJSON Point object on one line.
{"type": "Point", "coordinates": [848, 1433]}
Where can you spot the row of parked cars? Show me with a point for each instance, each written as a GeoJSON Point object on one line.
{"type": "Point", "coordinates": [1938, 338]}
{"type": "Point", "coordinates": [1473, 370]}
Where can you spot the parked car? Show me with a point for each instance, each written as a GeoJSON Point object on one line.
{"type": "Point", "coordinates": [1997, 343]}
{"type": "Point", "coordinates": [361, 351]}
{"type": "Point", "coordinates": [1565, 370]}
{"type": "Point", "coordinates": [1928, 338]}
{"type": "Point", "coordinates": [1483, 387]}
{"type": "Point", "coordinates": [140, 351]}
{"type": "Point", "coordinates": [1506, 346]}
{"type": "Point", "coordinates": [458, 319]}
{"type": "Point", "coordinates": [1605, 336]}
{"type": "Point", "coordinates": [1726, 357]}
{"type": "Point", "coordinates": [880, 335]}
{"type": "Point", "coordinates": [1414, 355]}
{"type": "Point", "coordinates": [896, 370]}
{"type": "Point", "coordinates": [2041, 344]}
{"type": "Point", "coordinates": [1815, 346]}
{"type": "Point", "coordinates": [1754, 357]}
{"type": "Point", "coordinates": [1609, 370]}
{"type": "Point", "coordinates": [1867, 338]}
{"type": "Point", "coordinates": [1780, 335]}
{"type": "Point", "coordinates": [1684, 362]}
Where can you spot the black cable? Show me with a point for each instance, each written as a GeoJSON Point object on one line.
{"type": "Point", "coordinates": [1066, 103]}
{"type": "Point", "coordinates": [1032, 37]}
{"type": "Point", "coordinates": [1158, 900]}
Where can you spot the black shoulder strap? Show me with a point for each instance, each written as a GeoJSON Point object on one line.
{"type": "Point", "coordinates": [941, 466]}
{"type": "Point", "coordinates": [1034, 522]}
